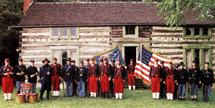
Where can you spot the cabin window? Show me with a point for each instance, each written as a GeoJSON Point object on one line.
{"type": "Point", "coordinates": [64, 57]}
{"type": "Point", "coordinates": [197, 33]}
{"type": "Point", "coordinates": [130, 31]}
{"type": "Point", "coordinates": [65, 33]}
{"type": "Point", "coordinates": [73, 31]}
{"type": "Point", "coordinates": [55, 32]}
{"type": "Point", "coordinates": [199, 53]}
{"type": "Point", "coordinates": [64, 52]}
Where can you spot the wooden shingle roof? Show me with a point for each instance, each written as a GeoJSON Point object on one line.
{"type": "Point", "coordinates": [99, 14]}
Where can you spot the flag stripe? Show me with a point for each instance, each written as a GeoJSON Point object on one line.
{"type": "Point", "coordinates": [147, 60]}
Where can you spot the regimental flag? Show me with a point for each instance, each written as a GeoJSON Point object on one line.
{"type": "Point", "coordinates": [111, 54]}
{"type": "Point", "coordinates": [145, 60]}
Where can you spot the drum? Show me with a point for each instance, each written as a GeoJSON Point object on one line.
{"type": "Point", "coordinates": [26, 88]}
{"type": "Point", "coordinates": [20, 98]}
{"type": "Point", "coordinates": [32, 98]}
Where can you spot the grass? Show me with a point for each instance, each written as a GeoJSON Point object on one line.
{"type": "Point", "coordinates": [132, 99]}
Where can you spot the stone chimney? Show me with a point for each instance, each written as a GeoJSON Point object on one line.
{"type": "Point", "coordinates": [26, 5]}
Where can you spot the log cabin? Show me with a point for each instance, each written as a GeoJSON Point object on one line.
{"type": "Point", "coordinates": [80, 30]}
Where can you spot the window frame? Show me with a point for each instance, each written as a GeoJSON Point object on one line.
{"type": "Point", "coordinates": [200, 36]}
{"type": "Point", "coordinates": [69, 36]}
{"type": "Point", "coordinates": [201, 52]}
{"type": "Point", "coordinates": [136, 35]}
{"type": "Point", "coordinates": [69, 49]}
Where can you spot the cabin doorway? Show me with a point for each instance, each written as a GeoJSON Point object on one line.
{"type": "Point", "coordinates": [130, 53]}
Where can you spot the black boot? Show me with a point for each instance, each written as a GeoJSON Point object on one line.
{"type": "Point", "coordinates": [107, 95]}
{"type": "Point", "coordinates": [18, 92]}
{"type": "Point", "coordinates": [47, 96]}
{"type": "Point", "coordinates": [103, 95]}
{"type": "Point", "coordinates": [41, 95]}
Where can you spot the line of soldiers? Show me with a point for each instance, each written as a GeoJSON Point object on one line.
{"type": "Point", "coordinates": [165, 81]}
{"type": "Point", "coordinates": [86, 80]}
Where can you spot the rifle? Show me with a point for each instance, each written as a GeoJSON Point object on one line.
{"type": "Point", "coordinates": [63, 88]}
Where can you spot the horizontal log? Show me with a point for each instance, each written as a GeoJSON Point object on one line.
{"type": "Point", "coordinates": [36, 56]}
{"type": "Point", "coordinates": [170, 53]}
{"type": "Point", "coordinates": [167, 33]}
{"type": "Point", "coordinates": [159, 50]}
{"type": "Point", "coordinates": [169, 47]}
{"type": "Point", "coordinates": [34, 53]}
{"type": "Point", "coordinates": [166, 28]}
{"type": "Point", "coordinates": [94, 28]}
{"type": "Point", "coordinates": [35, 30]}
{"type": "Point", "coordinates": [95, 34]}
{"type": "Point", "coordinates": [176, 36]}
{"type": "Point", "coordinates": [165, 45]}
{"type": "Point", "coordinates": [185, 42]}
{"type": "Point", "coordinates": [139, 39]}
{"type": "Point", "coordinates": [37, 34]}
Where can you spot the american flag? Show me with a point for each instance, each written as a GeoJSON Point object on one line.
{"type": "Point", "coordinates": [145, 60]}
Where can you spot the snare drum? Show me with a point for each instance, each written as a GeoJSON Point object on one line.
{"type": "Point", "coordinates": [20, 98]}
{"type": "Point", "coordinates": [26, 88]}
{"type": "Point", "coordinates": [32, 98]}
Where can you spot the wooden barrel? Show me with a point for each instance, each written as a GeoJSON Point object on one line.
{"type": "Point", "coordinates": [32, 98]}
{"type": "Point", "coordinates": [20, 98]}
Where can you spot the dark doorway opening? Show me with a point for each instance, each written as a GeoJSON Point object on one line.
{"type": "Point", "coordinates": [130, 53]}
{"type": "Point", "coordinates": [197, 58]}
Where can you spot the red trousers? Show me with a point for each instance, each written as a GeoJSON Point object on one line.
{"type": "Point", "coordinates": [105, 84]}
{"type": "Point", "coordinates": [131, 80]}
{"type": "Point", "coordinates": [170, 85]}
{"type": "Point", "coordinates": [55, 82]}
{"type": "Point", "coordinates": [93, 84]}
{"type": "Point", "coordinates": [118, 85]}
{"type": "Point", "coordinates": [155, 84]}
{"type": "Point", "coordinates": [7, 84]}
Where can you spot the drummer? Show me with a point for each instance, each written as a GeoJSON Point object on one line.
{"type": "Point", "coordinates": [32, 73]}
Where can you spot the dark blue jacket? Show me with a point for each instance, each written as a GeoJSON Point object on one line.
{"type": "Point", "coordinates": [182, 76]}
{"type": "Point", "coordinates": [18, 69]}
{"type": "Point", "coordinates": [30, 71]}
{"type": "Point", "coordinates": [82, 71]}
{"type": "Point", "coordinates": [43, 73]}
{"type": "Point", "coordinates": [69, 73]}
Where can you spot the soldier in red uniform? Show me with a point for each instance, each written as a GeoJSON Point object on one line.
{"type": "Point", "coordinates": [131, 79]}
{"type": "Point", "coordinates": [93, 77]}
{"type": "Point", "coordinates": [7, 72]}
{"type": "Point", "coordinates": [56, 77]}
{"type": "Point", "coordinates": [155, 77]}
{"type": "Point", "coordinates": [105, 77]}
{"type": "Point", "coordinates": [119, 79]}
{"type": "Point", "coordinates": [170, 81]}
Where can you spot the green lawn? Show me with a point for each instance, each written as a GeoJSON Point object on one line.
{"type": "Point", "coordinates": [132, 99]}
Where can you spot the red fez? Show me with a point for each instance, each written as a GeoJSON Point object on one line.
{"type": "Point", "coordinates": [118, 59]}
{"type": "Point", "coordinates": [7, 59]}
{"type": "Point", "coordinates": [55, 58]}
{"type": "Point", "coordinates": [92, 59]}
{"type": "Point", "coordinates": [131, 59]}
{"type": "Point", "coordinates": [105, 58]}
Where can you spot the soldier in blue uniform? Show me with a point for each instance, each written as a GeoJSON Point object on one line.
{"type": "Point", "coordinates": [207, 79]}
{"type": "Point", "coordinates": [32, 74]}
{"type": "Point", "coordinates": [175, 95]}
{"type": "Point", "coordinates": [69, 76]}
{"type": "Point", "coordinates": [182, 79]}
{"type": "Point", "coordinates": [194, 76]}
{"type": "Point", "coordinates": [45, 74]}
{"type": "Point", "coordinates": [20, 71]}
{"type": "Point", "coordinates": [75, 78]}
{"type": "Point", "coordinates": [163, 77]}
{"type": "Point", "coordinates": [81, 78]}
{"type": "Point", "coordinates": [87, 93]}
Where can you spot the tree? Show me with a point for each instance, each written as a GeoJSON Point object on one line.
{"type": "Point", "coordinates": [11, 14]}
{"type": "Point", "coordinates": [174, 10]}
